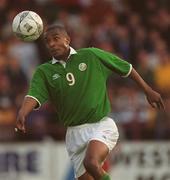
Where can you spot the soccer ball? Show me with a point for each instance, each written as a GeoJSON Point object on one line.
{"type": "Point", "coordinates": [27, 26]}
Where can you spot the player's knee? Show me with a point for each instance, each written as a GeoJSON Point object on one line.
{"type": "Point", "coordinates": [90, 164]}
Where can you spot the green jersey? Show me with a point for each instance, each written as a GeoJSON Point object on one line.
{"type": "Point", "coordinates": [77, 87]}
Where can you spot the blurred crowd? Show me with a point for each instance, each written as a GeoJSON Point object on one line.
{"type": "Point", "coordinates": [137, 31]}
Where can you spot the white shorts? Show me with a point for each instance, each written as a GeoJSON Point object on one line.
{"type": "Point", "coordinates": [78, 137]}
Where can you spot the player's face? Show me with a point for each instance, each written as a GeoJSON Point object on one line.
{"type": "Point", "coordinates": [57, 43]}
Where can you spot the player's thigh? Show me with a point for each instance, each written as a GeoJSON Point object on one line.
{"type": "Point", "coordinates": [85, 176]}
{"type": "Point", "coordinates": [96, 150]}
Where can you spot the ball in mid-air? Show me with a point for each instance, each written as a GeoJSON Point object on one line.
{"type": "Point", "coordinates": [27, 25]}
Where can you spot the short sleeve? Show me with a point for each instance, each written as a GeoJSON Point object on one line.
{"type": "Point", "coordinates": [112, 62]}
{"type": "Point", "coordinates": [37, 89]}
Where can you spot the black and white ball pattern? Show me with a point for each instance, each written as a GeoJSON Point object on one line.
{"type": "Point", "coordinates": [27, 26]}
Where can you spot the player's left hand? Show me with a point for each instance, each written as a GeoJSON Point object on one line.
{"type": "Point", "coordinates": [154, 99]}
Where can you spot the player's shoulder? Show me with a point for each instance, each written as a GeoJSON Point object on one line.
{"type": "Point", "coordinates": [88, 51]}
{"type": "Point", "coordinates": [100, 52]}
{"type": "Point", "coordinates": [83, 50]}
{"type": "Point", "coordinates": [44, 66]}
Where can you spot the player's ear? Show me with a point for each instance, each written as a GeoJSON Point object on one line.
{"type": "Point", "coordinates": [67, 39]}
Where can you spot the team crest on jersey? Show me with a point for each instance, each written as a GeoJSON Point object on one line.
{"type": "Point", "coordinates": [82, 66]}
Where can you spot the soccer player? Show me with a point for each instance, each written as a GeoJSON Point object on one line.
{"type": "Point", "coordinates": [75, 82]}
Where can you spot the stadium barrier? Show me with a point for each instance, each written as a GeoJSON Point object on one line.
{"type": "Point", "coordinates": [141, 161]}
{"type": "Point", "coordinates": [48, 160]}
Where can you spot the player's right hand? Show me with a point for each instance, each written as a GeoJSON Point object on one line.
{"type": "Point", "coordinates": [20, 123]}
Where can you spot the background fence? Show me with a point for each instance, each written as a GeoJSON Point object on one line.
{"type": "Point", "coordinates": [48, 160]}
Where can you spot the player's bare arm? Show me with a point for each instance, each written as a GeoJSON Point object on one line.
{"type": "Point", "coordinates": [28, 105]}
{"type": "Point", "coordinates": [152, 96]}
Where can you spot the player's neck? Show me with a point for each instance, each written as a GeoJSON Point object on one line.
{"type": "Point", "coordinates": [65, 56]}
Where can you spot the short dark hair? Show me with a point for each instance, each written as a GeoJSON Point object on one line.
{"type": "Point", "coordinates": [58, 27]}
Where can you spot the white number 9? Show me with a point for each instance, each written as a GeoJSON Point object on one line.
{"type": "Point", "coordinates": [70, 78]}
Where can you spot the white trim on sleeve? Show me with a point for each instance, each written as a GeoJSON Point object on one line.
{"type": "Point", "coordinates": [36, 100]}
{"type": "Point", "coordinates": [128, 72]}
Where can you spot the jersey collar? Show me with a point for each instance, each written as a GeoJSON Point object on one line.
{"type": "Point", "coordinates": [72, 51]}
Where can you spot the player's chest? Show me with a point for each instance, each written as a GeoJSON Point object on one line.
{"type": "Point", "coordinates": [70, 75]}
